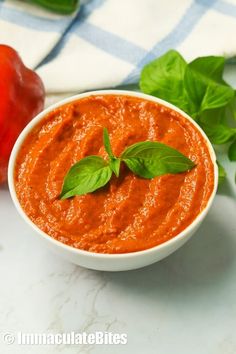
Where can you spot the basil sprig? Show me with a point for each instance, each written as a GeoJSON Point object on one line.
{"type": "Point", "coordinates": [198, 88]}
{"type": "Point", "coordinates": [147, 159]}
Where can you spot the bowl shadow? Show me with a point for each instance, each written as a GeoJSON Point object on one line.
{"type": "Point", "coordinates": [201, 263]}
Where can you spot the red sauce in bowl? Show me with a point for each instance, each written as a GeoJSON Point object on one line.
{"type": "Point", "coordinates": [130, 213]}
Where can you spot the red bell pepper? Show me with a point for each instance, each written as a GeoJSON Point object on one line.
{"type": "Point", "coordinates": [21, 98]}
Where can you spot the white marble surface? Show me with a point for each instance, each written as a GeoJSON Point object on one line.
{"type": "Point", "coordinates": [183, 304]}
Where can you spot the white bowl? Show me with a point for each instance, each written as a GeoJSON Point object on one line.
{"type": "Point", "coordinates": [111, 262]}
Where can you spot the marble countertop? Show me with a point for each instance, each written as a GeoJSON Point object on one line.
{"type": "Point", "coordinates": [183, 304]}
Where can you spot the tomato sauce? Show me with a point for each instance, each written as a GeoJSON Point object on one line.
{"type": "Point", "coordinates": [130, 213]}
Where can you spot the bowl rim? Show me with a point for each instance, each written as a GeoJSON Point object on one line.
{"type": "Point", "coordinates": [112, 256]}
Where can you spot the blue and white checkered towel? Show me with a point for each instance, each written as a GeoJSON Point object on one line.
{"type": "Point", "coordinates": [107, 42]}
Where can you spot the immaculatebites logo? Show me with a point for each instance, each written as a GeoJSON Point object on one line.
{"type": "Point", "coordinates": [69, 338]}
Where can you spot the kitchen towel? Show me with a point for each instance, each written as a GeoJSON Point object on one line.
{"type": "Point", "coordinates": [107, 42]}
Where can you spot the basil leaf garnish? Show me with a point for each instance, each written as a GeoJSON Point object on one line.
{"type": "Point", "coordinates": [107, 143]}
{"type": "Point", "coordinates": [146, 159]}
{"type": "Point", "coordinates": [115, 165]}
{"type": "Point", "coordinates": [150, 159]}
{"type": "Point", "coordinates": [114, 161]}
{"type": "Point", "coordinates": [86, 176]}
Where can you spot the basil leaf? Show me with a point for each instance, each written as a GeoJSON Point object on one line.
{"type": "Point", "coordinates": [86, 176]}
{"type": "Point", "coordinates": [219, 133]}
{"type": "Point", "coordinates": [64, 7]}
{"type": "Point", "coordinates": [205, 93]}
{"type": "Point", "coordinates": [232, 151]}
{"type": "Point", "coordinates": [213, 117]}
{"type": "Point", "coordinates": [199, 89]}
{"type": "Point", "coordinates": [195, 87]}
{"type": "Point", "coordinates": [150, 159]}
{"type": "Point", "coordinates": [204, 84]}
{"type": "Point", "coordinates": [114, 161]}
{"type": "Point", "coordinates": [107, 143]}
{"type": "Point", "coordinates": [163, 78]}
{"type": "Point", "coordinates": [221, 173]}
{"type": "Point", "coordinates": [210, 66]}
{"type": "Point", "coordinates": [115, 165]}
{"type": "Point", "coordinates": [232, 107]}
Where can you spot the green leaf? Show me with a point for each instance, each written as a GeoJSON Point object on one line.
{"type": "Point", "coordinates": [86, 176]}
{"type": "Point", "coordinates": [59, 6]}
{"type": "Point", "coordinates": [199, 89]}
{"type": "Point", "coordinates": [205, 85]}
{"type": "Point", "coordinates": [107, 143]}
{"type": "Point", "coordinates": [219, 133]}
{"type": "Point", "coordinates": [232, 107]}
{"type": "Point", "coordinates": [163, 78]}
{"type": "Point", "coordinates": [216, 96]}
{"type": "Point", "coordinates": [205, 93]}
{"type": "Point", "coordinates": [221, 173]}
{"type": "Point", "coordinates": [210, 66]}
{"type": "Point", "coordinates": [232, 151]}
{"type": "Point", "coordinates": [115, 165]}
{"type": "Point", "coordinates": [213, 117]}
{"type": "Point", "coordinates": [150, 159]}
{"type": "Point", "coordinates": [195, 87]}
{"type": "Point", "coordinates": [114, 161]}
